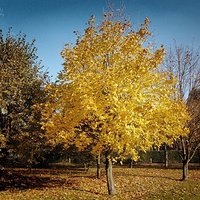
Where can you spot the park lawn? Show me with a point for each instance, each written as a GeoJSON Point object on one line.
{"type": "Point", "coordinates": [135, 183]}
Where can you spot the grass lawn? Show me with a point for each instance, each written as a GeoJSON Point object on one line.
{"type": "Point", "coordinates": [66, 184]}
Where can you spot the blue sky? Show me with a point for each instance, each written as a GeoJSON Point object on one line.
{"type": "Point", "coordinates": [52, 22]}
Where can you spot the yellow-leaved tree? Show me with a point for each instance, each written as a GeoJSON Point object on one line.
{"type": "Point", "coordinates": [111, 85]}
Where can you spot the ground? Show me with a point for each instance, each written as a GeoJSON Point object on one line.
{"type": "Point", "coordinates": [78, 183]}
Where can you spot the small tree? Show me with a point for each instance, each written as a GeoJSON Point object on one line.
{"type": "Point", "coordinates": [111, 80]}
{"type": "Point", "coordinates": [183, 63]}
{"type": "Point", "coordinates": [188, 145]}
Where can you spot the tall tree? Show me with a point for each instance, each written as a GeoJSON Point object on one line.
{"type": "Point", "coordinates": [183, 63]}
{"type": "Point", "coordinates": [22, 86]}
{"type": "Point", "coordinates": [111, 81]}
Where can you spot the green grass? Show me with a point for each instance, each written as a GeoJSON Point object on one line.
{"type": "Point", "coordinates": [66, 184]}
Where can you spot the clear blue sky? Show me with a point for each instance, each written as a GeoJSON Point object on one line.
{"type": "Point", "coordinates": [52, 22]}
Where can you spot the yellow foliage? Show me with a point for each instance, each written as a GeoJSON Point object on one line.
{"type": "Point", "coordinates": [111, 94]}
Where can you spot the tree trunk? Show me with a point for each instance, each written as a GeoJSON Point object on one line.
{"type": "Point", "coordinates": [109, 176]}
{"type": "Point", "coordinates": [185, 169]}
{"type": "Point", "coordinates": [86, 167]}
{"type": "Point", "coordinates": [166, 156]}
{"type": "Point", "coordinates": [98, 161]}
{"type": "Point", "coordinates": [131, 164]}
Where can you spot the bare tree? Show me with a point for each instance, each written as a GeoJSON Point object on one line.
{"type": "Point", "coordinates": [183, 62]}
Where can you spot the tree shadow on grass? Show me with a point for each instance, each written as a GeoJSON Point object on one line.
{"type": "Point", "coordinates": [22, 180]}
